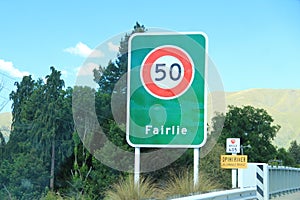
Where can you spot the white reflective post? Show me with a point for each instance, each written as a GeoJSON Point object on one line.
{"type": "Point", "coordinates": [137, 167]}
{"type": "Point", "coordinates": [196, 166]}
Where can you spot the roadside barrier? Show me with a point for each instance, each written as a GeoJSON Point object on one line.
{"type": "Point", "coordinates": [258, 181]}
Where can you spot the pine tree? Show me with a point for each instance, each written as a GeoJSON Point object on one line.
{"type": "Point", "coordinates": [22, 118]}
{"type": "Point", "coordinates": [41, 132]}
{"type": "Point", "coordinates": [55, 127]}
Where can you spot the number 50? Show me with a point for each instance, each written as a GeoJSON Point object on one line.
{"type": "Point", "coordinates": [160, 69]}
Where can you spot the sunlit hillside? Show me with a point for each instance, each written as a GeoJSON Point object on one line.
{"type": "Point", "coordinates": [282, 105]}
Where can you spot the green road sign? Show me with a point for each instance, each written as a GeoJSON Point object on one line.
{"type": "Point", "coordinates": [166, 95]}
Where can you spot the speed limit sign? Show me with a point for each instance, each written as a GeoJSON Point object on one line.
{"type": "Point", "coordinates": [166, 95]}
{"type": "Point", "coordinates": [167, 71]}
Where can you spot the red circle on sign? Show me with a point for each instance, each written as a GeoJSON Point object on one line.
{"type": "Point", "coordinates": [181, 87]}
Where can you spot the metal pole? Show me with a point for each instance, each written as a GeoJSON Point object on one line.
{"type": "Point", "coordinates": [196, 166]}
{"type": "Point", "coordinates": [137, 167]}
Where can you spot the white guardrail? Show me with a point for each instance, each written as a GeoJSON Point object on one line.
{"type": "Point", "coordinates": [258, 181]}
{"type": "Point", "coordinates": [235, 194]}
{"type": "Point", "coordinates": [283, 180]}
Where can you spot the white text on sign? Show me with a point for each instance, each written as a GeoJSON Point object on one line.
{"type": "Point", "coordinates": [173, 130]}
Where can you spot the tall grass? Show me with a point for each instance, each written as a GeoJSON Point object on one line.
{"type": "Point", "coordinates": [179, 183]}
{"type": "Point", "coordinates": [182, 184]}
{"type": "Point", "coordinates": [126, 190]}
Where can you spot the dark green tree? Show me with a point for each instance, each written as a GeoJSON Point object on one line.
{"type": "Point", "coordinates": [23, 177]}
{"type": "Point", "coordinates": [41, 136]}
{"type": "Point", "coordinates": [54, 126]}
{"type": "Point", "coordinates": [22, 117]}
{"type": "Point", "coordinates": [23, 172]}
{"type": "Point", "coordinates": [2, 146]}
{"type": "Point", "coordinates": [285, 157]}
{"type": "Point", "coordinates": [90, 176]}
{"type": "Point", "coordinates": [294, 151]}
{"type": "Point", "coordinates": [254, 127]}
{"type": "Point", "coordinates": [107, 78]}
{"type": "Point", "coordinates": [21, 160]}
{"type": "Point", "coordinates": [79, 184]}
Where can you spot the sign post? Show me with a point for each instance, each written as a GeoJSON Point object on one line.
{"type": "Point", "coordinates": [137, 165]}
{"type": "Point", "coordinates": [233, 146]}
{"type": "Point", "coordinates": [166, 93]}
{"type": "Point", "coordinates": [196, 166]}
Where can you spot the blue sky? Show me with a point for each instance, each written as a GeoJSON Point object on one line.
{"type": "Point", "coordinates": [254, 44]}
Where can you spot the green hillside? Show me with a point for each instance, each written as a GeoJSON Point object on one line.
{"type": "Point", "coordinates": [282, 105]}
{"type": "Point", "coordinates": [5, 122]}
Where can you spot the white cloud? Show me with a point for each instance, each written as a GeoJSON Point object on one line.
{"type": "Point", "coordinates": [83, 50]}
{"type": "Point", "coordinates": [113, 47]}
{"type": "Point", "coordinates": [9, 68]}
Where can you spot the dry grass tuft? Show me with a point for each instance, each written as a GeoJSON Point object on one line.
{"type": "Point", "coordinates": [125, 190]}
{"type": "Point", "coordinates": [182, 183]}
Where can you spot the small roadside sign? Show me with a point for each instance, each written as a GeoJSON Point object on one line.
{"type": "Point", "coordinates": [233, 145]}
{"type": "Point", "coordinates": [233, 161]}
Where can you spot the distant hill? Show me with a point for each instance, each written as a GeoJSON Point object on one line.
{"type": "Point", "coordinates": [5, 124]}
{"type": "Point", "coordinates": [282, 105]}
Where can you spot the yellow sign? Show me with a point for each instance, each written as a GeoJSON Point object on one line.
{"type": "Point", "coordinates": [233, 161]}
